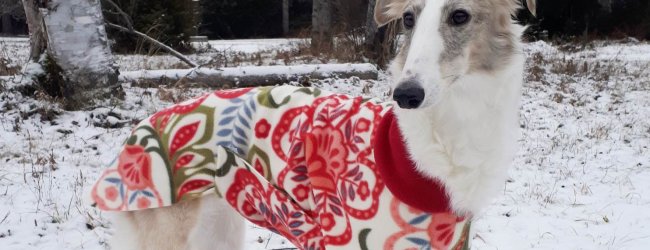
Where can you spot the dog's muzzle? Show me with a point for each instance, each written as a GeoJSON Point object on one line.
{"type": "Point", "coordinates": [409, 95]}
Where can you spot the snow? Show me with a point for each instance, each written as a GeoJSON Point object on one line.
{"type": "Point", "coordinates": [581, 179]}
{"type": "Point", "coordinates": [251, 45]}
{"type": "Point", "coordinates": [327, 70]}
{"type": "Point", "coordinates": [15, 49]}
{"type": "Point", "coordinates": [14, 39]}
{"type": "Point", "coordinates": [224, 55]}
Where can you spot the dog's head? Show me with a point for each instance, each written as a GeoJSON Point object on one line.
{"type": "Point", "coordinates": [447, 40]}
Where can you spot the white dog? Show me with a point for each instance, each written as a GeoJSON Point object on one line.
{"type": "Point", "coordinates": [330, 171]}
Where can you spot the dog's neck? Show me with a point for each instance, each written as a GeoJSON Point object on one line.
{"type": "Point", "coordinates": [400, 175]}
{"type": "Point", "coordinates": [467, 140]}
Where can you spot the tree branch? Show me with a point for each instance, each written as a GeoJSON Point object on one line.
{"type": "Point", "coordinates": [130, 29]}
{"type": "Point", "coordinates": [250, 76]}
{"type": "Point", "coordinates": [155, 42]}
{"type": "Point", "coordinates": [127, 18]}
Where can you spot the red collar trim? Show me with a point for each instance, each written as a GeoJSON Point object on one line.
{"type": "Point", "coordinates": [399, 173]}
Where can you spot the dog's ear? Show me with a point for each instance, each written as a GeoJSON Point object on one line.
{"type": "Point", "coordinates": [388, 10]}
{"type": "Point", "coordinates": [532, 6]}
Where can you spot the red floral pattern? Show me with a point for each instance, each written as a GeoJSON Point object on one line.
{"type": "Point", "coordinates": [363, 190]}
{"type": "Point", "coordinates": [333, 159]}
{"type": "Point", "coordinates": [327, 221]}
{"type": "Point", "coordinates": [363, 125]}
{"type": "Point", "coordinates": [437, 230]}
{"type": "Point", "coordinates": [327, 156]}
{"type": "Point", "coordinates": [301, 192]}
{"type": "Point", "coordinates": [183, 136]}
{"type": "Point", "coordinates": [232, 93]}
{"type": "Point", "coordinates": [268, 207]}
{"type": "Point", "coordinates": [111, 193]}
{"type": "Point", "coordinates": [193, 185]}
{"type": "Point", "coordinates": [262, 129]}
{"type": "Point", "coordinates": [143, 203]}
{"type": "Point", "coordinates": [290, 159]}
{"type": "Point", "coordinates": [161, 119]}
{"type": "Point", "coordinates": [135, 167]}
{"type": "Point", "coordinates": [183, 161]}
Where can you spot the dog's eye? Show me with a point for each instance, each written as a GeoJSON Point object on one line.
{"type": "Point", "coordinates": [459, 17]}
{"type": "Point", "coordinates": [409, 20]}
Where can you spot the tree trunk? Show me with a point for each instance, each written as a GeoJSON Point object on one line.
{"type": "Point", "coordinates": [379, 41]}
{"type": "Point", "coordinates": [606, 4]}
{"type": "Point", "coordinates": [250, 76]}
{"type": "Point", "coordinates": [372, 41]}
{"type": "Point", "coordinates": [7, 24]}
{"type": "Point", "coordinates": [68, 40]}
{"type": "Point", "coordinates": [371, 25]}
{"type": "Point", "coordinates": [37, 40]}
{"type": "Point", "coordinates": [322, 39]}
{"type": "Point", "coordinates": [285, 17]}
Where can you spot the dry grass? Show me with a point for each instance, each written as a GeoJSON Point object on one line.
{"type": "Point", "coordinates": [7, 66]}
{"type": "Point", "coordinates": [13, 54]}
{"type": "Point", "coordinates": [536, 71]}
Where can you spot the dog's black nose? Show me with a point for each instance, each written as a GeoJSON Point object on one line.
{"type": "Point", "coordinates": [408, 95]}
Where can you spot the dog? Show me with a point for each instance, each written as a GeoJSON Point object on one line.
{"type": "Point", "coordinates": [330, 171]}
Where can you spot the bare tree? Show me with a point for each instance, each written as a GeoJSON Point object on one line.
{"type": "Point", "coordinates": [285, 17]}
{"type": "Point", "coordinates": [37, 39]}
{"type": "Point", "coordinates": [10, 9]}
{"type": "Point", "coordinates": [14, 8]}
{"type": "Point", "coordinates": [321, 34]}
{"type": "Point", "coordinates": [129, 29]}
{"type": "Point", "coordinates": [606, 4]}
{"type": "Point", "coordinates": [69, 42]}
{"type": "Point", "coordinates": [371, 25]}
{"type": "Point", "coordinates": [380, 42]}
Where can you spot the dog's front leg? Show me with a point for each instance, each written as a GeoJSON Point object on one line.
{"type": "Point", "coordinates": [208, 223]}
{"type": "Point", "coordinates": [218, 226]}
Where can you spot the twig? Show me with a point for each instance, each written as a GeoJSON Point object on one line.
{"type": "Point", "coordinates": [129, 29]}
{"type": "Point", "coordinates": [155, 42]}
{"type": "Point", "coordinates": [269, 240]}
{"type": "Point", "coordinates": [127, 18]}
{"type": "Point", "coordinates": [5, 218]}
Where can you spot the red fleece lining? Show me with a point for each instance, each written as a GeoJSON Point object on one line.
{"type": "Point", "coordinates": [400, 175]}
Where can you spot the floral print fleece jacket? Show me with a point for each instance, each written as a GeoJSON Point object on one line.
{"type": "Point", "coordinates": [326, 171]}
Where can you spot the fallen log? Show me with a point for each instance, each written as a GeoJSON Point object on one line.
{"type": "Point", "coordinates": [249, 76]}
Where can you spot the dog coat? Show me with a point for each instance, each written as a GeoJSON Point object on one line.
{"type": "Point", "coordinates": [326, 171]}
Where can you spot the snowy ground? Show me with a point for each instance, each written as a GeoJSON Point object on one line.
{"type": "Point", "coordinates": [252, 45]}
{"type": "Point", "coordinates": [222, 53]}
{"type": "Point", "coordinates": [581, 179]}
